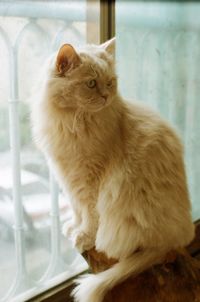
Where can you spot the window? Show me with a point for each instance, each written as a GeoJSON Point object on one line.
{"type": "Point", "coordinates": [158, 63]}
{"type": "Point", "coordinates": [33, 255]}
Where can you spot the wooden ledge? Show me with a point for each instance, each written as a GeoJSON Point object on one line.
{"type": "Point", "coordinates": [177, 279]}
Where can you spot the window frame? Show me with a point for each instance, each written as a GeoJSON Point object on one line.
{"type": "Point", "coordinates": [59, 293]}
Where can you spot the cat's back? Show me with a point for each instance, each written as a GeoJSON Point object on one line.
{"type": "Point", "coordinates": [145, 127]}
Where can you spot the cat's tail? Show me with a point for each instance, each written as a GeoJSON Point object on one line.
{"type": "Point", "coordinates": [92, 288]}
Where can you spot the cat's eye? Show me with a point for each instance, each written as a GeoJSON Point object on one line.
{"type": "Point", "coordinates": [91, 83]}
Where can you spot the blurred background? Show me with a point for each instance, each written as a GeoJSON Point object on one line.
{"type": "Point", "coordinates": [158, 55]}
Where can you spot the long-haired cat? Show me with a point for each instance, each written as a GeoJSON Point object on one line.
{"type": "Point", "coordinates": [122, 164]}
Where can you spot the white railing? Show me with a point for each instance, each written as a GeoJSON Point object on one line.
{"type": "Point", "coordinates": [68, 13]}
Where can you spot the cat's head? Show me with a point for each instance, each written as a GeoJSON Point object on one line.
{"type": "Point", "coordinates": [86, 77]}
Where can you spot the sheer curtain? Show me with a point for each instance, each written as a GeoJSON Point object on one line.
{"type": "Point", "coordinates": [158, 58]}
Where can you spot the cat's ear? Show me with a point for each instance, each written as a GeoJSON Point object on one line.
{"type": "Point", "coordinates": [67, 58]}
{"type": "Point", "coordinates": [109, 46]}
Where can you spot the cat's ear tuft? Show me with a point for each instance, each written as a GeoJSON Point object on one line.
{"type": "Point", "coordinates": [67, 58]}
{"type": "Point", "coordinates": [109, 46]}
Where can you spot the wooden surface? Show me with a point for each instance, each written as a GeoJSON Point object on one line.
{"type": "Point", "coordinates": [177, 279]}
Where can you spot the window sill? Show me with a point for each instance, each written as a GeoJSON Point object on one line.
{"type": "Point", "coordinates": [59, 293]}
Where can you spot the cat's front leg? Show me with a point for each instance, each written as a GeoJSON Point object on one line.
{"type": "Point", "coordinates": [84, 236]}
{"type": "Point", "coordinates": [75, 220]}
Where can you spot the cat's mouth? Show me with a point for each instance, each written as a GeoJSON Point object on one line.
{"type": "Point", "coordinates": [95, 105]}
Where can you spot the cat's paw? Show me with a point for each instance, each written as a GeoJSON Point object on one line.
{"type": "Point", "coordinates": [68, 228]}
{"type": "Point", "coordinates": [83, 241]}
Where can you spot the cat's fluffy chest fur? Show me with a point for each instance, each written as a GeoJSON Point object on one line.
{"type": "Point", "coordinates": [122, 164]}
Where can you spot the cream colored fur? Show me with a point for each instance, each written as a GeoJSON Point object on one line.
{"type": "Point", "coordinates": [121, 162]}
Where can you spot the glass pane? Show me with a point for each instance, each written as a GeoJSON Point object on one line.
{"type": "Point", "coordinates": [158, 62]}
{"type": "Point", "coordinates": [33, 255]}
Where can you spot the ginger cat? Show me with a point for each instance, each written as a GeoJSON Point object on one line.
{"type": "Point", "coordinates": [122, 164]}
